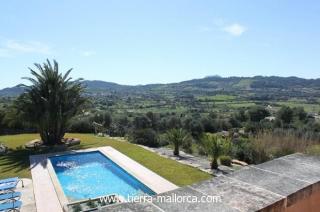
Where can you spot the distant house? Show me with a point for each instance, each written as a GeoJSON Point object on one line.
{"type": "Point", "coordinates": [242, 132]}
{"type": "Point", "coordinates": [270, 118]}
{"type": "Point", "coordinates": [313, 115]}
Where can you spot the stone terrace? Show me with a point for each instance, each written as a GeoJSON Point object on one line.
{"type": "Point", "coordinates": [290, 183]}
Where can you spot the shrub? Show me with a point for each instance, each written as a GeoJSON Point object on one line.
{"type": "Point", "coordinates": [196, 129]}
{"type": "Point", "coordinates": [234, 122]}
{"type": "Point", "coordinates": [179, 137]}
{"type": "Point", "coordinates": [253, 127]}
{"type": "Point", "coordinates": [103, 118]}
{"type": "Point", "coordinates": [201, 150]}
{"type": "Point", "coordinates": [187, 145]}
{"type": "Point", "coordinates": [147, 137]}
{"type": "Point", "coordinates": [223, 124]}
{"type": "Point", "coordinates": [163, 140]}
{"type": "Point", "coordinates": [117, 130]}
{"type": "Point", "coordinates": [225, 160]}
{"type": "Point", "coordinates": [285, 114]}
{"type": "Point", "coordinates": [242, 149]}
{"type": "Point", "coordinates": [257, 113]}
{"type": "Point", "coordinates": [209, 125]}
{"type": "Point", "coordinates": [214, 147]}
{"type": "Point", "coordinates": [269, 145]}
{"type": "Point", "coordinates": [313, 150]}
{"type": "Point", "coordinates": [83, 125]}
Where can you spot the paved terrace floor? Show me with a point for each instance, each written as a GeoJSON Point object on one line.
{"type": "Point", "coordinates": [272, 186]}
{"type": "Point", "coordinates": [27, 197]}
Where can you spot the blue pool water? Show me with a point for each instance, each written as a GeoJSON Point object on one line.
{"type": "Point", "coordinates": [92, 174]}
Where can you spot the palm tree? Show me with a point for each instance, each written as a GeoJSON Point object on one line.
{"type": "Point", "coordinates": [51, 101]}
{"type": "Point", "coordinates": [214, 147]}
{"type": "Point", "coordinates": [177, 137]}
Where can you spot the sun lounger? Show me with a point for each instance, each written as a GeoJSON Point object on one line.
{"type": "Point", "coordinates": [10, 196]}
{"type": "Point", "coordinates": [9, 180]}
{"type": "Point", "coordinates": [10, 206]}
{"type": "Point", "coordinates": [8, 187]}
{"type": "Point", "coordinates": [14, 180]}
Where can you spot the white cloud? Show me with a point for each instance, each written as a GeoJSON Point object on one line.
{"type": "Point", "coordinates": [235, 29]}
{"type": "Point", "coordinates": [87, 53]}
{"type": "Point", "coordinates": [220, 24]}
{"type": "Point", "coordinates": [27, 47]}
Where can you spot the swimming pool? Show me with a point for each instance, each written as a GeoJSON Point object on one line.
{"type": "Point", "coordinates": [92, 174]}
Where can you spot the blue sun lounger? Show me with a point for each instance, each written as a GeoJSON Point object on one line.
{"type": "Point", "coordinates": [10, 196]}
{"type": "Point", "coordinates": [8, 187]}
{"type": "Point", "coordinates": [10, 206]}
{"type": "Point", "coordinates": [10, 180]}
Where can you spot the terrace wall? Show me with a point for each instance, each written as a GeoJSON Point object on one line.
{"type": "Point", "coordinates": [287, 184]}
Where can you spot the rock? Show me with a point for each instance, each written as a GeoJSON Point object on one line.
{"type": "Point", "coordinates": [71, 141]}
{"type": "Point", "coordinates": [238, 162]}
{"type": "Point", "coordinates": [3, 149]}
{"type": "Point", "coordinates": [33, 144]}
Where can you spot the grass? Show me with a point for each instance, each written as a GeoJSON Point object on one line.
{"type": "Point", "coordinates": [315, 108]}
{"type": "Point", "coordinates": [270, 145]}
{"type": "Point", "coordinates": [16, 163]}
{"type": "Point", "coordinates": [217, 98]}
{"type": "Point", "coordinates": [235, 104]}
{"type": "Point", "coordinates": [313, 150]}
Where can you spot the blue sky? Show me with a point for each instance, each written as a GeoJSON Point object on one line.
{"type": "Point", "coordinates": [149, 41]}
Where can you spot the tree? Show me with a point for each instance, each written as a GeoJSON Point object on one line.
{"type": "Point", "coordinates": [300, 113]}
{"type": "Point", "coordinates": [285, 114]}
{"type": "Point", "coordinates": [177, 137]}
{"type": "Point", "coordinates": [154, 119]}
{"type": "Point", "coordinates": [51, 101]}
{"type": "Point", "coordinates": [141, 122]}
{"type": "Point", "coordinates": [241, 115]}
{"type": "Point", "coordinates": [209, 124]}
{"type": "Point", "coordinates": [257, 113]}
{"type": "Point", "coordinates": [196, 128]}
{"type": "Point", "coordinates": [214, 147]}
{"type": "Point", "coordinates": [174, 122]}
{"type": "Point", "coordinates": [234, 121]}
{"type": "Point", "coordinates": [146, 137]}
{"type": "Point", "coordinates": [2, 116]}
{"type": "Point", "coordinates": [103, 118]}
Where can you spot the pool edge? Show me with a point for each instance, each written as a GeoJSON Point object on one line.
{"type": "Point", "coordinates": [147, 177]}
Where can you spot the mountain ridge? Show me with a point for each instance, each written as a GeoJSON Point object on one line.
{"type": "Point", "coordinates": [206, 84]}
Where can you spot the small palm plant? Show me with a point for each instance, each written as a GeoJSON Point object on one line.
{"type": "Point", "coordinates": [51, 101]}
{"type": "Point", "coordinates": [214, 147]}
{"type": "Point", "coordinates": [177, 137]}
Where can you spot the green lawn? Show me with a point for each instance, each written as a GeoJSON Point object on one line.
{"type": "Point", "coordinates": [16, 163]}
{"type": "Point", "coordinates": [219, 98]}
{"type": "Point", "coordinates": [315, 108]}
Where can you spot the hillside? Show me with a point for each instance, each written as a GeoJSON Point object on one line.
{"type": "Point", "coordinates": [254, 88]}
{"type": "Point", "coordinates": [12, 92]}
